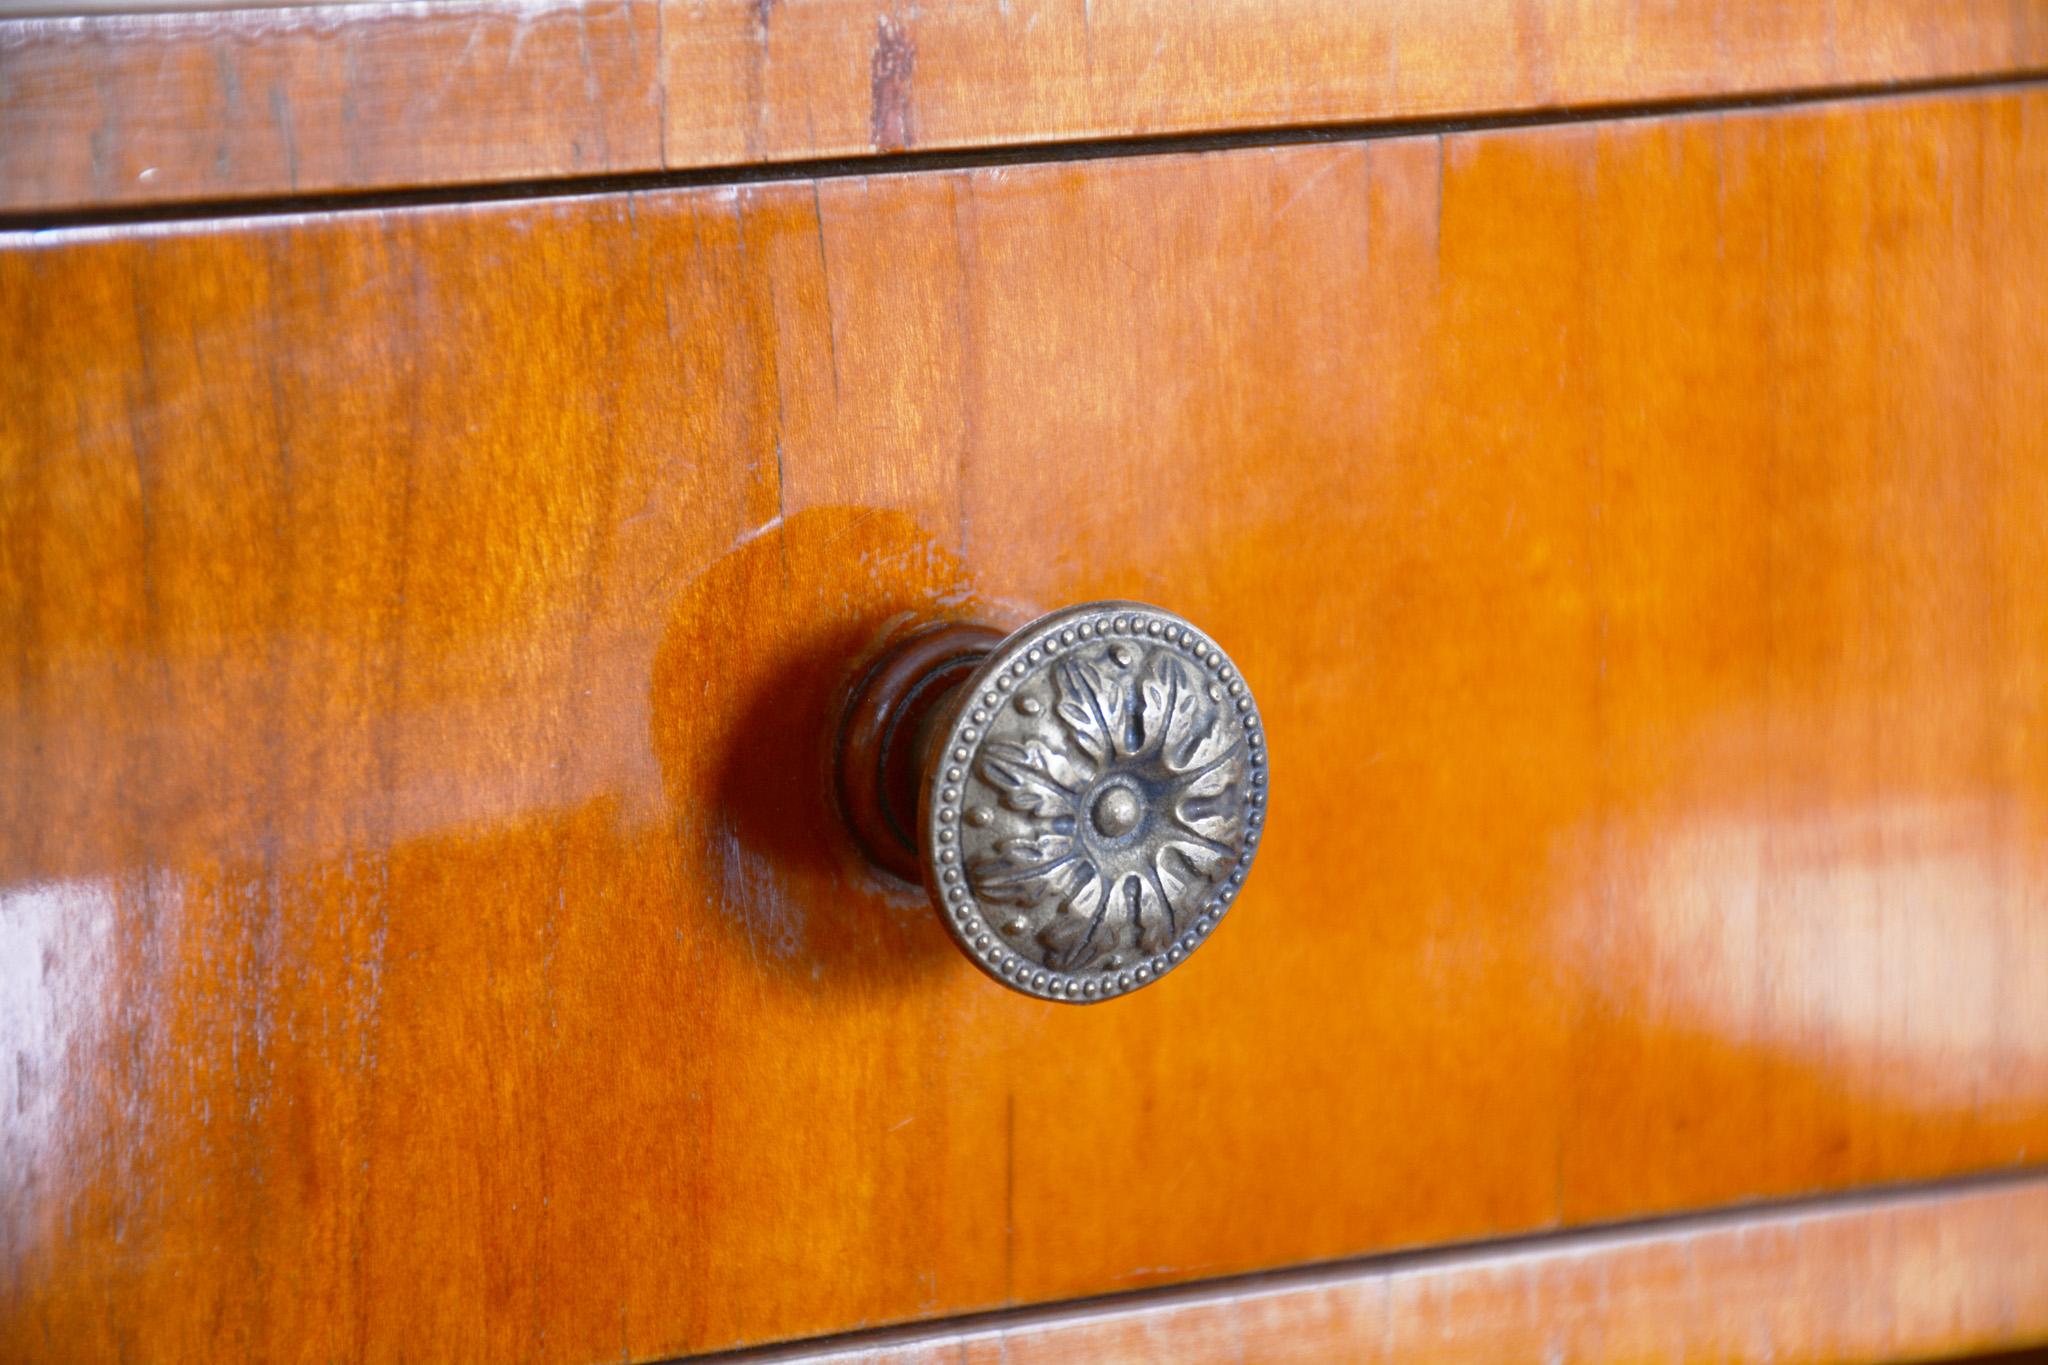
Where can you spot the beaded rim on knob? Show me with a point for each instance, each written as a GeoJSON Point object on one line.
{"type": "Point", "coordinates": [1093, 800]}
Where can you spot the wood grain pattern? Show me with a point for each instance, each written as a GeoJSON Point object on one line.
{"type": "Point", "coordinates": [113, 109]}
{"type": "Point", "coordinates": [848, 77]}
{"type": "Point", "coordinates": [1886, 1277]}
{"type": "Point", "coordinates": [106, 110]}
{"type": "Point", "coordinates": [426, 931]}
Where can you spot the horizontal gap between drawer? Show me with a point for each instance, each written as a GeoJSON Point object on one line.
{"type": "Point", "coordinates": [907, 163]}
{"type": "Point", "coordinates": [1486, 1255]}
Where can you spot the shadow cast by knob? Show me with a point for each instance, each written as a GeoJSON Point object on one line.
{"type": "Point", "coordinates": [748, 687]}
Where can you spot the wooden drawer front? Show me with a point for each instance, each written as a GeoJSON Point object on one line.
{"type": "Point", "coordinates": [429, 936]}
{"type": "Point", "coordinates": [300, 97]}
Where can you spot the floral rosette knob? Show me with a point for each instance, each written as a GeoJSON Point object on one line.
{"type": "Point", "coordinates": [1089, 798]}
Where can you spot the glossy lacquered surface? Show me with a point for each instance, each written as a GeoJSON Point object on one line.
{"type": "Point", "coordinates": [426, 929]}
{"type": "Point", "coordinates": [103, 110]}
{"type": "Point", "coordinates": [1882, 1276]}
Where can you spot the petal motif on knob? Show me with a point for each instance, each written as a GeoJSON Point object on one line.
{"type": "Point", "coordinates": [1093, 706]}
{"type": "Point", "coordinates": [1114, 763]}
{"type": "Point", "coordinates": [1033, 778]}
{"type": "Point", "coordinates": [1031, 870]}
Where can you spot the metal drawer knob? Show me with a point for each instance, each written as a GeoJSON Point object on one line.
{"type": "Point", "coordinates": [1081, 798]}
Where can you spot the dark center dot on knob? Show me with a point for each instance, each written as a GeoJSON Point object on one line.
{"type": "Point", "coordinates": [1116, 813]}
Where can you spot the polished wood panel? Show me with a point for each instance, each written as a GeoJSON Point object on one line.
{"type": "Point", "coordinates": [426, 927]}
{"type": "Point", "coordinates": [102, 110]}
{"type": "Point", "coordinates": [1884, 1277]}
{"type": "Point", "coordinates": [111, 109]}
{"type": "Point", "coordinates": [847, 77]}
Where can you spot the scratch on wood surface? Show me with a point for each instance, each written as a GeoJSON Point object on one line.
{"type": "Point", "coordinates": [1308, 183]}
{"type": "Point", "coordinates": [281, 117]}
{"type": "Point", "coordinates": [1009, 1199]}
{"type": "Point", "coordinates": [825, 282]}
{"type": "Point", "coordinates": [661, 83]}
{"type": "Point", "coordinates": [753, 534]}
{"type": "Point", "coordinates": [1436, 247]}
{"type": "Point", "coordinates": [890, 68]}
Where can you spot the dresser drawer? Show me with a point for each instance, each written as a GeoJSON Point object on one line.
{"type": "Point", "coordinates": [432, 929]}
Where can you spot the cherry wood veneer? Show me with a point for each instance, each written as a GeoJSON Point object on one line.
{"type": "Point", "coordinates": [425, 928]}
{"type": "Point", "coordinates": [1883, 1276]}
{"type": "Point", "coordinates": [103, 110]}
